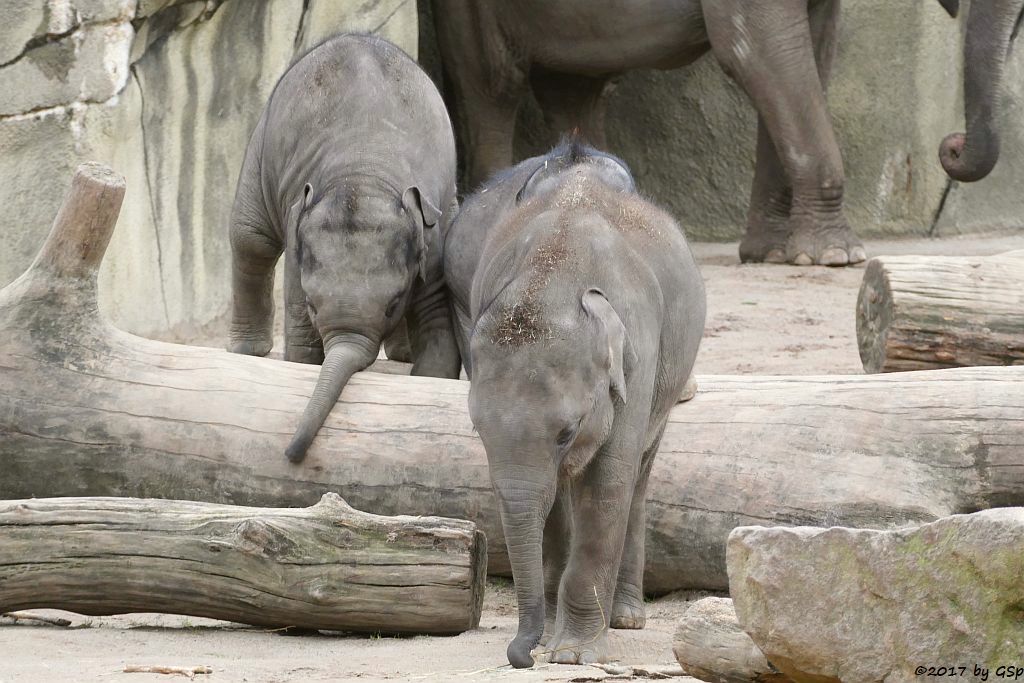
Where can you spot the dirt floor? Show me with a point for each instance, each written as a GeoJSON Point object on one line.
{"type": "Point", "coordinates": [761, 320]}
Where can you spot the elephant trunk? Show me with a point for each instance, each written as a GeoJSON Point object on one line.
{"type": "Point", "coordinates": [972, 155]}
{"type": "Point", "coordinates": [524, 508]}
{"type": "Point", "coordinates": [344, 356]}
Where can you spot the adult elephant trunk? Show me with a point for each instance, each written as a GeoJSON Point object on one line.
{"type": "Point", "coordinates": [524, 507]}
{"type": "Point", "coordinates": [972, 155]}
{"type": "Point", "coordinates": [344, 356]}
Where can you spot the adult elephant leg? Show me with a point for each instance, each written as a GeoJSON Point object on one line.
{"type": "Point", "coordinates": [628, 607]}
{"type": "Point", "coordinates": [770, 200]}
{"type": "Point", "coordinates": [302, 343]}
{"type": "Point", "coordinates": [572, 103]}
{"type": "Point", "coordinates": [487, 82]}
{"type": "Point", "coordinates": [768, 49]}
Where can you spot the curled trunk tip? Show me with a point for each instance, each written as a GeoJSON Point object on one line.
{"type": "Point", "coordinates": [341, 361]}
{"type": "Point", "coordinates": [967, 167]}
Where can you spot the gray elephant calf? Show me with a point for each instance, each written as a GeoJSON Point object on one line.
{"type": "Point", "coordinates": [351, 173]}
{"type": "Point", "coordinates": [581, 308]}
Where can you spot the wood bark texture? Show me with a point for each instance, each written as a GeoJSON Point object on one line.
{"type": "Point", "coordinates": [929, 312]}
{"type": "Point", "coordinates": [86, 409]}
{"type": "Point", "coordinates": [322, 567]}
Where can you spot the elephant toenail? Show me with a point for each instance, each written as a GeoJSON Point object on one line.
{"type": "Point", "coordinates": [775, 256]}
{"type": "Point", "coordinates": [803, 259]}
{"type": "Point", "coordinates": [834, 257]}
{"type": "Point", "coordinates": [858, 254]}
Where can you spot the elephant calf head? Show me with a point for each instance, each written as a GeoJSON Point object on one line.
{"type": "Point", "coordinates": [359, 247]}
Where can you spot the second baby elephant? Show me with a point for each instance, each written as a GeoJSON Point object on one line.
{"type": "Point", "coordinates": [350, 173]}
{"type": "Point", "coordinates": [581, 308]}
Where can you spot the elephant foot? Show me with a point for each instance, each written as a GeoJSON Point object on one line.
{"type": "Point", "coordinates": [250, 347]}
{"type": "Point", "coordinates": [569, 648]}
{"type": "Point", "coordinates": [689, 391]}
{"type": "Point", "coordinates": [765, 241]}
{"type": "Point", "coordinates": [628, 610]}
{"type": "Point", "coordinates": [816, 244]}
{"type": "Point", "coordinates": [311, 355]}
{"type": "Point", "coordinates": [396, 345]}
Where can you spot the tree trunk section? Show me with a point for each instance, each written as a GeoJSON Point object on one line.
{"type": "Point", "coordinates": [929, 312]}
{"type": "Point", "coordinates": [86, 409]}
{"type": "Point", "coordinates": [322, 567]}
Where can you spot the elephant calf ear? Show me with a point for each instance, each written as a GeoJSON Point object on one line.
{"type": "Point", "coordinates": [951, 6]}
{"type": "Point", "coordinates": [427, 216]}
{"type": "Point", "coordinates": [620, 350]}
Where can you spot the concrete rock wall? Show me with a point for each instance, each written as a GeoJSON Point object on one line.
{"type": "Point", "coordinates": [167, 92]}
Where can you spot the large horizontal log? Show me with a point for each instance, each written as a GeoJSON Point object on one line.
{"type": "Point", "coordinates": [322, 567]}
{"type": "Point", "coordinates": [929, 312]}
{"type": "Point", "coordinates": [86, 409]}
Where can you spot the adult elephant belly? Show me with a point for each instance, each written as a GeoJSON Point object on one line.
{"type": "Point", "coordinates": [599, 37]}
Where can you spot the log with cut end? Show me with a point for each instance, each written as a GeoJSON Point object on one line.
{"type": "Point", "coordinates": [86, 409]}
{"type": "Point", "coordinates": [929, 312]}
{"type": "Point", "coordinates": [323, 567]}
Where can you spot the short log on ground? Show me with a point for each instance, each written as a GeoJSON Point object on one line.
{"type": "Point", "coordinates": [86, 409]}
{"type": "Point", "coordinates": [711, 646]}
{"type": "Point", "coordinates": [928, 312]}
{"type": "Point", "coordinates": [323, 567]}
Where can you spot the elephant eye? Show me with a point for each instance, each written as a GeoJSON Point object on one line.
{"type": "Point", "coordinates": [567, 436]}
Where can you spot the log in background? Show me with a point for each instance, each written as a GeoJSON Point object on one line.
{"type": "Point", "coordinates": [86, 409]}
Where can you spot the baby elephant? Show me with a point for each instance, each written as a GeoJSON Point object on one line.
{"type": "Point", "coordinates": [351, 173]}
{"type": "Point", "coordinates": [581, 308]}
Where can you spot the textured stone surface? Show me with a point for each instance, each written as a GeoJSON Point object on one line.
{"type": "Point", "coordinates": [863, 605]}
{"type": "Point", "coordinates": [167, 92]}
{"type": "Point", "coordinates": [711, 646]}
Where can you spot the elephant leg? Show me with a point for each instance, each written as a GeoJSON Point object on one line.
{"type": "Point", "coordinates": [572, 104]}
{"type": "Point", "coordinates": [488, 81]}
{"type": "Point", "coordinates": [768, 48]}
{"type": "Point", "coordinates": [302, 343]}
{"type": "Point", "coordinates": [770, 200]}
{"type": "Point", "coordinates": [435, 352]}
{"type": "Point", "coordinates": [557, 535]}
{"type": "Point", "coordinates": [254, 252]}
{"type": "Point", "coordinates": [396, 344]}
{"type": "Point", "coordinates": [601, 499]}
{"type": "Point", "coordinates": [628, 608]}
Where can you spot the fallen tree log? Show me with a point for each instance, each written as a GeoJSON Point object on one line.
{"type": "Point", "coordinates": [929, 312]}
{"type": "Point", "coordinates": [86, 409]}
{"type": "Point", "coordinates": [323, 567]}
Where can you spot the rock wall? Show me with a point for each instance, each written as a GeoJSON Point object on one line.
{"type": "Point", "coordinates": [167, 92]}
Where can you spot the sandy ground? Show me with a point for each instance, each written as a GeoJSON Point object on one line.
{"type": "Point", "coordinates": [761, 320]}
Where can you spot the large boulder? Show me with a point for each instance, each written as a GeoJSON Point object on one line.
{"type": "Point", "coordinates": [866, 605]}
{"type": "Point", "coordinates": [167, 92]}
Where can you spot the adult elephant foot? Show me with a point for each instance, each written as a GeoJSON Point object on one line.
{"type": "Point", "coordinates": [765, 241]}
{"type": "Point", "coordinates": [817, 244]}
{"type": "Point", "coordinates": [628, 612]}
{"type": "Point", "coordinates": [568, 648]}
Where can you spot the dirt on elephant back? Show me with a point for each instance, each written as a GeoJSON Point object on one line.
{"type": "Point", "coordinates": [761, 320]}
